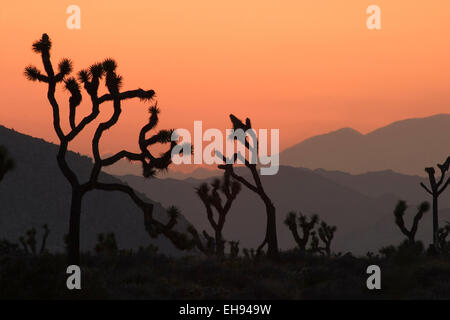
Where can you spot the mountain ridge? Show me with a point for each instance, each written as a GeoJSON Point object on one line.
{"type": "Point", "coordinates": [406, 146]}
{"type": "Point", "coordinates": [361, 214]}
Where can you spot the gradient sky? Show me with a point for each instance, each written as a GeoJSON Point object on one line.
{"type": "Point", "coordinates": [305, 67]}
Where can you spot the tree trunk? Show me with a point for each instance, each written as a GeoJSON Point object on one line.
{"type": "Point", "coordinates": [74, 228]}
{"type": "Point", "coordinates": [435, 222]}
{"type": "Point", "coordinates": [220, 247]}
{"type": "Point", "coordinates": [271, 231]}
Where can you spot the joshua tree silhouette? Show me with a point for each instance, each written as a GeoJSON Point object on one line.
{"type": "Point", "coordinates": [271, 228]}
{"type": "Point", "coordinates": [307, 225]}
{"type": "Point", "coordinates": [6, 163]}
{"type": "Point", "coordinates": [314, 248]}
{"type": "Point", "coordinates": [29, 241]}
{"type": "Point", "coordinates": [234, 249]}
{"type": "Point", "coordinates": [443, 233]}
{"type": "Point", "coordinates": [435, 190]}
{"type": "Point", "coordinates": [211, 198]}
{"type": "Point", "coordinates": [90, 79]}
{"type": "Point", "coordinates": [326, 234]}
{"type": "Point", "coordinates": [106, 244]}
{"type": "Point", "coordinates": [399, 212]}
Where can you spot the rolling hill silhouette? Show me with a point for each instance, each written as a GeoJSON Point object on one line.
{"type": "Point", "coordinates": [36, 193]}
{"type": "Point", "coordinates": [360, 205]}
{"type": "Point", "coordinates": [406, 146]}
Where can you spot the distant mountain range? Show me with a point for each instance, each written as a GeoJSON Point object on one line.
{"type": "Point", "coordinates": [360, 206]}
{"type": "Point", "coordinates": [406, 146]}
{"type": "Point", "coordinates": [36, 193]}
{"type": "Point", "coordinates": [352, 181]}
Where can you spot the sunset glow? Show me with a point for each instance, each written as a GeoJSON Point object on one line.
{"type": "Point", "coordinates": [304, 67]}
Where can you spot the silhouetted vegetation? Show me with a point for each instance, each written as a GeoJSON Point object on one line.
{"type": "Point", "coordinates": [212, 200]}
{"type": "Point", "coordinates": [443, 243]}
{"type": "Point", "coordinates": [234, 249]}
{"type": "Point", "coordinates": [106, 244]}
{"type": "Point", "coordinates": [408, 273]}
{"type": "Point", "coordinates": [240, 136]}
{"type": "Point", "coordinates": [90, 79]}
{"type": "Point", "coordinates": [324, 233]}
{"type": "Point", "coordinates": [205, 270]}
{"type": "Point", "coordinates": [29, 242]}
{"type": "Point", "coordinates": [399, 213]}
{"type": "Point", "coordinates": [307, 226]}
{"type": "Point", "coordinates": [435, 189]}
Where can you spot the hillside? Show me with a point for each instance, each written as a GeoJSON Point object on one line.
{"type": "Point", "coordinates": [406, 146]}
{"type": "Point", "coordinates": [36, 193]}
{"type": "Point", "coordinates": [363, 215]}
{"type": "Point", "coordinates": [360, 205]}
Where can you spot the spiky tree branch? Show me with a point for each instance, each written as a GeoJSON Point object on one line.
{"type": "Point", "coordinates": [399, 213]}
{"type": "Point", "coordinates": [307, 225]}
{"type": "Point", "coordinates": [443, 233]}
{"type": "Point", "coordinates": [90, 80]}
{"type": "Point", "coordinates": [326, 234]}
{"type": "Point", "coordinates": [435, 189]}
{"type": "Point", "coordinates": [211, 198]}
{"type": "Point", "coordinates": [257, 187]}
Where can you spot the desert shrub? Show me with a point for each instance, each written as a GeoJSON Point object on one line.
{"type": "Point", "coordinates": [405, 253]}
{"type": "Point", "coordinates": [9, 248]}
{"type": "Point", "coordinates": [106, 244]}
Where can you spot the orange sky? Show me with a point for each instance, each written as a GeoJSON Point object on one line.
{"type": "Point", "coordinates": [305, 67]}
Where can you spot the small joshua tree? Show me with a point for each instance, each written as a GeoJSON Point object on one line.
{"type": "Point", "coordinates": [189, 240]}
{"type": "Point", "coordinates": [314, 247]}
{"type": "Point", "coordinates": [90, 79]}
{"type": "Point", "coordinates": [29, 242]}
{"type": "Point", "coordinates": [326, 234]}
{"type": "Point", "coordinates": [106, 244]}
{"type": "Point", "coordinates": [179, 240]}
{"type": "Point", "coordinates": [257, 187]}
{"type": "Point", "coordinates": [399, 213]}
{"type": "Point", "coordinates": [307, 225]}
{"type": "Point", "coordinates": [234, 249]}
{"type": "Point", "coordinates": [435, 189]}
{"type": "Point", "coordinates": [6, 163]}
{"type": "Point", "coordinates": [211, 198]}
{"type": "Point", "coordinates": [443, 233]}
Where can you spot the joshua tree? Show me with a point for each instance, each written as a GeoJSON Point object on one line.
{"type": "Point", "coordinates": [307, 225]}
{"type": "Point", "coordinates": [314, 243]}
{"type": "Point", "coordinates": [234, 249]}
{"type": "Point", "coordinates": [90, 79]}
{"type": "Point", "coordinates": [443, 233]}
{"type": "Point", "coordinates": [240, 128]}
{"type": "Point", "coordinates": [435, 189]}
{"type": "Point", "coordinates": [326, 234]}
{"type": "Point", "coordinates": [106, 244]}
{"type": "Point", "coordinates": [211, 198]}
{"type": "Point", "coordinates": [29, 242]}
{"type": "Point", "coordinates": [399, 212]}
{"type": "Point", "coordinates": [6, 163]}
{"type": "Point", "coordinates": [179, 240]}
{"type": "Point", "coordinates": [250, 254]}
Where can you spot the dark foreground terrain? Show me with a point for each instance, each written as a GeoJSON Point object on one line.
{"type": "Point", "coordinates": [407, 273]}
